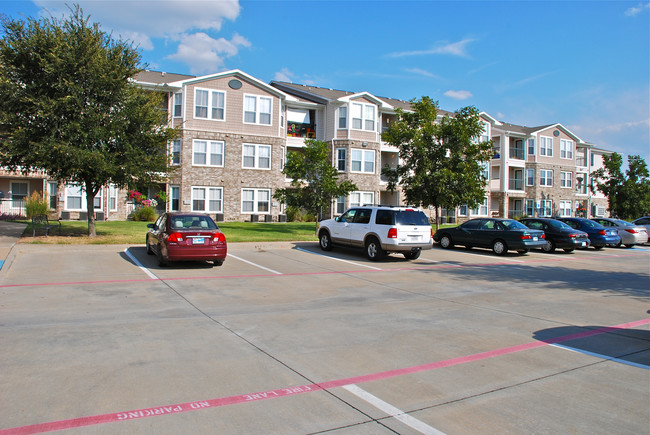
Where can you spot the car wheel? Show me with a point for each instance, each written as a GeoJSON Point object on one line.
{"type": "Point", "coordinates": [162, 262]}
{"type": "Point", "coordinates": [618, 245]}
{"type": "Point", "coordinates": [413, 255]}
{"type": "Point", "coordinates": [217, 262]}
{"type": "Point", "coordinates": [568, 250]}
{"type": "Point", "coordinates": [549, 246]}
{"type": "Point", "coordinates": [373, 249]}
{"type": "Point", "coordinates": [598, 248]}
{"type": "Point", "coordinates": [630, 246]}
{"type": "Point", "coordinates": [325, 241]}
{"type": "Point", "coordinates": [523, 251]}
{"type": "Point", "coordinates": [499, 247]}
{"type": "Point", "coordinates": [445, 241]}
{"type": "Point", "coordinates": [149, 250]}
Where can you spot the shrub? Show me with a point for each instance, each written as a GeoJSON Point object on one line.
{"type": "Point", "coordinates": [296, 214]}
{"type": "Point", "coordinates": [145, 214]}
{"type": "Point", "coordinates": [36, 205]}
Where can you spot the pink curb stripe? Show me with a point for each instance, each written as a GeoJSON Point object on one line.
{"type": "Point", "coordinates": [283, 392]}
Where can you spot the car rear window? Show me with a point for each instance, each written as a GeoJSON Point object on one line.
{"type": "Point", "coordinates": [411, 217]}
{"type": "Point", "coordinates": [181, 222]}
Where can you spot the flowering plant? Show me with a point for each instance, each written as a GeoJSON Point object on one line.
{"type": "Point", "coordinates": [149, 203]}
{"type": "Point", "coordinates": [136, 196]}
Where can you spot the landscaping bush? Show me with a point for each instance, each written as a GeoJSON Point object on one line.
{"type": "Point", "coordinates": [36, 205]}
{"type": "Point", "coordinates": [296, 214]}
{"type": "Point", "coordinates": [145, 214]}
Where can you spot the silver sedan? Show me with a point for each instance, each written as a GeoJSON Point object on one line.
{"type": "Point", "coordinates": [630, 233]}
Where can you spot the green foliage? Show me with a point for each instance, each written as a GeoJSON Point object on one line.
{"type": "Point", "coordinates": [297, 214]}
{"type": "Point", "coordinates": [67, 106]}
{"type": "Point", "coordinates": [315, 181]}
{"type": "Point", "coordinates": [36, 205]}
{"type": "Point", "coordinates": [442, 160]}
{"type": "Point", "coordinates": [144, 214]}
{"type": "Point", "coordinates": [628, 194]}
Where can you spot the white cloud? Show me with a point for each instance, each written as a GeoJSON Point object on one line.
{"type": "Point", "coordinates": [284, 75]}
{"type": "Point", "coordinates": [453, 49]}
{"type": "Point", "coordinates": [206, 54]}
{"type": "Point", "coordinates": [421, 72]}
{"type": "Point", "coordinates": [634, 11]}
{"type": "Point", "coordinates": [458, 95]}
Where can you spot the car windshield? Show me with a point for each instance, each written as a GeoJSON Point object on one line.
{"type": "Point", "coordinates": [591, 224]}
{"type": "Point", "coordinates": [411, 217]}
{"type": "Point", "coordinates": [559, 225]}
{"type": "Point", "coordinates": [513, 225]}
{"type": "Point", "coordinates": [192, 222]}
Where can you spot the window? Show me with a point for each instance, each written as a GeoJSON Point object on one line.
{"type": "Point", "coordinates": [112, 197]}
{"type": "Point", "coordinates": [566, 179]}
{"type": "Point", "coordinates": [175, 198]}
{"type": "Point", "coordinates": [207, 153]}
{"type": "Point", "coordinates": [546, 177]}
{"type": "Point", "coordinates": [176, 152]}
{"type": "Point", "coordinates": [256, 156]}
{"type": "Point", "coordinates": [363, 161]}
{"type": "Point", "coordinates": [566, 149]}
{"type": "Point", "coordinates": [52, 188]}
{"type": "Point", "coordinates": [546, 146]}
{"type": "Point", "coordinates": [98, 200]}
{"type": "Point", "coordinates": [358, 199]}
{"type": "Point", "coordinates": [341, 159]}
{"type": "Point", "coordinates": [462, 210]}
{"type": "Point", "coordinates": [257, 110]}
{"type": "Point", "coordinates": [530, 207]}
{"type": "Point", "coordinates": [565, 208]}
{"type": "Point", "coordinates": [255, 200]}
{"type": "Point", "coordinates": [496, 172]}
{"type": "Point", "coordinates": [73, 196]}
{"type": "Point", "coordinates": [18, 194]}
{"type": "Point", "coordinates": [363, 116]}
{"type": "Point", "coordinates": [340, 204]}
{"type": "Point", "coordinates": [209, 104]}
{"type": "Point", "coordinates": [343, 117]}
{"type": "Point", "coordinates": [486, 170]}
{"type": "Point", "coordinates": [530, 176]}
{"type": "Point", "coordinates": [546, 208]}
{"type": "Point", "coordinates": [482, 209]}
{"type": "Point", "coordinates": [207, 199]}
{"type": "Point", "coordinates": [531, 147]}
{"type": "Point", "coordinates": [178, 105]}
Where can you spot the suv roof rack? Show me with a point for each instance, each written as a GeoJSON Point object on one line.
{"type": "Point", "coordinates": [389, 206]}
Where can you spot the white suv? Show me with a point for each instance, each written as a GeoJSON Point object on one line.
{"type": "Point", "coordinates": [380, 230]}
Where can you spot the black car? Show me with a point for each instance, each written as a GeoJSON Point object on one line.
{"type": "Point", "coordinates": [493, 233]}
{"type": "Point", "coordinates": [558, 234]}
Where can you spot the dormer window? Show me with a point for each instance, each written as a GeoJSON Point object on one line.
{"type": "Point", "coordinates": [363, 116]}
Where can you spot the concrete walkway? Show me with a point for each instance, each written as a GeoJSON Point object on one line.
{"type": "Point", "coordinates": [10, 232]}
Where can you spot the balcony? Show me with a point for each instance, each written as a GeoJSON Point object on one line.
{"type": "Point", "coordinates": [517, 151]}
{"type": "Point", "coordinates": [516, 184]}
{"type": "Point", "coordinates": [295, 129]}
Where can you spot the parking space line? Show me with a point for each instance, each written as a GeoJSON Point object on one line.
{"type": "Point", "coordinates": [502, 258]}
{"type": "Point", "coordinates": [290, 391]}
{"type": "Point", "coordinates": [255, 264]}
{"type": "Point", "coordinates": [140, 265]}
{"type": "Point", "coordinates": [392, 411]}
{"type": "Point", "coordinates": [339, 259]}
{"type": "Point", "coordinates": [601, 356]}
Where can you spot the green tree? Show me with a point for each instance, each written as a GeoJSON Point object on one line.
{"type": "Point", "coordinates": [628, 194]}
{"type": "Point", "coordinates": [315, 181]}
{"type": "Point", "coordinates": [67, 106]}
{"type": "Point", "coordinates": [441, 160]}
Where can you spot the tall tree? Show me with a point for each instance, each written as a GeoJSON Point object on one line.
{"type": "Point", "coordinates": [441, 161]}
{"type": "Point", "coordinates": [67, 106]}
{"type": "Point", "coordinates": [628, 194]}
{"type": "Point", "coordinates": [315, 182]}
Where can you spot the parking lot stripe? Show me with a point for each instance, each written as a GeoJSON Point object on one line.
{"type": "Point", "coordinates": [339, 259]}
{"type": "Point", "coordinates": [392, 411]}
{"type": "Point", "coordinates": [255, 264]}
{"type": "Point", "coordinates": [284, 392]}
{"type": "Point", "coordinates": [140, 265]}
{"type": "Point", "coordinates": [601, 356]}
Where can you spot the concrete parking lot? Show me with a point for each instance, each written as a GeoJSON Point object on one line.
{"type": "Point", "coordinates": [284, 338]}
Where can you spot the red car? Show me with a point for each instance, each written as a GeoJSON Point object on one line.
{"type": "Point", "coordinates": [186, 237]}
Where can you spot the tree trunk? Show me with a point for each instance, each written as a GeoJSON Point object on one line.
{"type": "Point", "coordinates": [90, 207]}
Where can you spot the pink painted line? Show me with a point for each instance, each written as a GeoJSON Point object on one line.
{"type": "Point", "coordinates": [397, 269]}
{"type": "Point", "coordinates": [290, 391]}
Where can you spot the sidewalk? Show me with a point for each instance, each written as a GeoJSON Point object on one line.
{"type": "Point", "coordinates": [10, 232]}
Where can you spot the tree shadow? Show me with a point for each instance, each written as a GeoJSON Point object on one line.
{"type": "Point", "coordinates": [630, 346]}
{"type": "Point", "coordinates": [635, 284]}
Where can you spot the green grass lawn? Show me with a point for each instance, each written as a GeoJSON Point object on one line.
{"type": "Point", "coordinates": [133, 233]}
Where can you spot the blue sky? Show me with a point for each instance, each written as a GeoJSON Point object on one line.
{"type": "Point", "coordinates": [584, 64]}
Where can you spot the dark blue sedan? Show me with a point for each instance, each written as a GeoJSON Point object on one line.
{"type": "Point", "coordinates": [599, 236]}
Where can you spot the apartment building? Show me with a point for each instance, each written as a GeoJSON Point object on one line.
{"type": "Point", "coordinates": [236, 132]}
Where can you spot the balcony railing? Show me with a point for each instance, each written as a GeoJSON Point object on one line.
{"type": "Point", "coordinates": [12, 207]}
{"type": "Point", "coordinates": [301, 130]}
{"type": "Point", "coordinates": [517, 153]}
{"type": "Point", "coordinates": [516, 184]}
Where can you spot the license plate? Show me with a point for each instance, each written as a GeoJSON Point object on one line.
{"type": "Point", "coordinates": [414, 238]}
{"type": "Point", "coordinates": [535, 239]}
{"type": "Point", "coordinates": [198, 241]}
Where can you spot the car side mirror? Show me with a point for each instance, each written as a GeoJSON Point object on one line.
{"type": "Point", "coordinates": [152, 226]}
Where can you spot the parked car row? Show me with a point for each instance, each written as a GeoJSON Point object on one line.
{"type": "Point", "coordinates": [548, 234]}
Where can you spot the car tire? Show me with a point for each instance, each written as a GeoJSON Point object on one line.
{"type": "Point", "coordinates": [598, 248]}
{"type": "Point", "coordinates": [445, 241]}
{"type": "Point", "coordinates": [413, 255]}
{"type": "Point", "coordinates": [217, 262]}
{"type": "Point", "coordinates": [629, 246]}
{"type": "Point", "coordinates": [618, 245]}
{"type": "Point", "coordinates": [499, 247]}
{"type": "Point", "coordinates": [325, 241]}
{"type": "Point", "coordinates": [373, 249]}
{"type": "Point", "coordinates": [549, 246]}
{"type": "Point", "coordinates": [162, 262]}
{"type": "Point", "coordinates": [568, 250]}
{"type": "Point", "coordinates": [149, 250]}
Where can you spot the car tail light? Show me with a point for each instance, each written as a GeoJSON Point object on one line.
{"type": "Point", "coordinates": [543, 236]}
{"type": "Point", "coordinates": [602, 232]}
{"type": "Point", "coordinates": [432, 232]}
{"type": "Point", "coordinates": [219, 237]}
{"type": "Point", "coordinates": [392, 233]}
{"type": "Point", "coordinates": [175, 237]}
{"type": "Point", "coordinates": [631, 230]}
{"type": "Point", "coordinates": [525, 237]}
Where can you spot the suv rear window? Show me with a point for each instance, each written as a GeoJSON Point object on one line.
{"type": "Point", "coordinates": [411, 217]}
